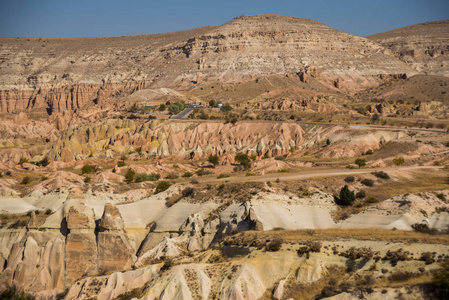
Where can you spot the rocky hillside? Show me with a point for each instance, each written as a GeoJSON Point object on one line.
{"type": "Point", "coordinates": [66, 74]}
{"type": "Point", "coordinates": [425, 46]}
{"type": "Point", "coordinates": [83, 242]}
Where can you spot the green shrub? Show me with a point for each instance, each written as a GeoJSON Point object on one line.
{"type": "Point", "coordinates": [213, 159]}
{"type": "Point", "coordinates": [129, 175]}
{"type": "Point", "coordinates": [274, 245]}
{"type": "Point", "coordinates": [283, 171]}
{"type": "Point", "coordinates": [441, 196]}
{"type": "Point", "coordinates": [222, 176]}
{"type": "Point", "coordinates": [177, 107]}
{"type": "Point", "coordinates": [187, 174]}
{"type": "Point", "coordinates": [43, 162]}
{"type": "Point", "coordinates": [441, 278]}
{"type": "Point", "coordinates": [360, 162]}
{"type": "Point", "coordinates": [398, 160]}
{"type": "Point", "coordinates": [26, 180]}
{"type": "Point", "coordinates": [371, 200]}
{"type": "Point", "coordinates": [349, 179]}
{"type": "Point", "coordinates": [141, 177]}
{"type": "Point", "coordinates": [360, 194]}
{"type": "Point", "coordinates": [226, 108]}
{"type": "Point", "coordinates": [250, 174]}
{"type": "Point", "coordinates": [23, 160]}
{"type": "Point", "coordinates": [86, 169]}
{"type": "Point", "coordinates": [87, 179]}
{"type": "Point", "coordinates": [202, 172]}
{"type": "Point", "coordinates": [381, 174]}
{"type": "Point", "coordinates": [243, 159]}
{"type": "Point", "coordinates": [188, 192]}
{"type": "Point", "coordinates": [369, 152]}
{"type": "Point", "coordinates": [282, 157]}
{"type": "Point", "coordinates": [367, 182]}
{"type": "Point", "coordinates": [172, 176]}
{"type": "Point", "coordinates": [347, 196]}
{"type": "Point", "coordinates": [121, 163]}
{"type": "Point", "coordinates": [162, 186]}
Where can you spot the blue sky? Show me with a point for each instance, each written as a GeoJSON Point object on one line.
{"type": "Point", "coordinates": [90, 18]}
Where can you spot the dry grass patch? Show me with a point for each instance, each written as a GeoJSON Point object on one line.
{"type": "Point", "coordinates": [301, 236]}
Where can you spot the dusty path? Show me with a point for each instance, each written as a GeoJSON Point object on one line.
{"type": "Point", "coordinates": [315, 174]}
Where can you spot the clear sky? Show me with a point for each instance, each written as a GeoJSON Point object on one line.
{"type": "Point", "coordinates": [93, 18]}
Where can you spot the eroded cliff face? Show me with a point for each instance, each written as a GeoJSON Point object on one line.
{"type": "Point", "coordinates": [68, 74]}
{"type": "Point", "coordinates": [62, 96]}
{"type": "Point", "coordinates": [423, 46]}
{"type": "Point", "coordinates": [89, 249]}
{"type": "Point", "coordinates": [186, 139]}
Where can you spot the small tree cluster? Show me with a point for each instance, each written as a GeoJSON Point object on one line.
{"type": "Point", "coordinates": [177, 107]}
{"type": "Point", "coordinates": [129, 175]}
{"type": "Point", "coordinates": [360, 162]}
{"type": "Point", "coordinates": [214, 160]}
{"type": "Point", "coordinates": [347, 196]}
{"type": "Point", "coordinates": [243, 159]}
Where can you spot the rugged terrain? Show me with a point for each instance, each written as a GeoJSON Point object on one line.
{"type": "Point", "coordinates": [315, 168]}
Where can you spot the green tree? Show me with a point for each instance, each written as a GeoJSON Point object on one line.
{"type": "Point", "coordinates": [243, 159]}
{"type": "Point", "coordinates": [346, 196]}
{"type": "Point", "coordinates": [442, 280]}
{"type": "Point", "coordinates": [177, 107]}
{"type": "Point", "coordinates": [328, 142]}
{"type": "Point", "coordinates": [213, 159]}
{"type": "Point", "coordinates": [86, 169]}
{"type": "Point", "coordinates": [129, 175]}
{"type": "Point", "coordinates": [226, 108]}
{"type": "Point", "coordinates": [360, 162]}
{"type": "Point", "coordinates": [212, 103]}
{"type": "Point", "coordinates": [162, 107]}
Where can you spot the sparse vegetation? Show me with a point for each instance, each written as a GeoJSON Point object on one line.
{"type": "Point", "coordinates": [129, 175]}
{"type": "Point", "coordinates": [141, 177]}
{"type": "Point", "coordinates": [349, 179]}
{"type": "Point", "coordinates": [347, 196]}
{"type": "Point", "coordinates": [187, 174]}
{"type": "Point", "coordinates": [23, 160]}
{"type": "Point", "coordinates": [367, 182]}
{"type": "Point", "coordinates": [213, 159]}
{"type": "Point", "coordinates": [87, 169]}
{"type": "Point", "coordinates": [26, 180]}
{"type": "Point", "coordinates": [162, 186]}
{"type": "Point", "coordinates": [361, 162]}
{"type": "Point", "coordinates": [381, 174]}
{"type": "Point", "coordinates": [243, 159]}
{"type": "Point", "coordinates": [274, 245]}
{"type": "Point", "coordinates": [398, 160]}
{"type": "Point", "coordinates": [360, 194]}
